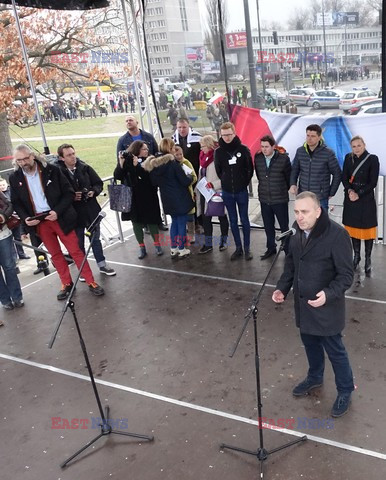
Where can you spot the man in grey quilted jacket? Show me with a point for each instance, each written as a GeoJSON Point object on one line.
{"type": "Point", "coordinates": [315, 168]}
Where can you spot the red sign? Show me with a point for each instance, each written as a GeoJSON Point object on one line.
{"type": "Point", "coordinates": [236, 40]}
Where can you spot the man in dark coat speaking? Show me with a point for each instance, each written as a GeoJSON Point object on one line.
{"type": "Point", "coordinates": [319, 267]}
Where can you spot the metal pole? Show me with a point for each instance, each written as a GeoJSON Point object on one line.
{"type": "Point", "coordinates": [30, 78]}
{"type": "Point", "coordinates": [261, 47]}
{"type": "Point", "coordinates": [137, 93]}
{"type": "Point", "coordinates": [325, 46]}
{"type": "Point", "coordinates": [251, 61]}
{"type": "Point", "coordinates": [383, 57]}
{"type": "Point", "coordinates": [384, 212]}
{"type": "Point", "coordinates": [141, 70]}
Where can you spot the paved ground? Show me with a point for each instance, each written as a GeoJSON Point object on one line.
{"type": "Point", "coordinates": [159, 344]}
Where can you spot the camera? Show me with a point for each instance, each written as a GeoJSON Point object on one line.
{"type": "Point", "coordinates": [126, 155]}
{"type": "Point", "coordinates": [85, 197]}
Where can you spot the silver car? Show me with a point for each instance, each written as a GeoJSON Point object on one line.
{"type": "Point", "coordinates": [325, 99]}
{"type": "Point", "coordinates": [300, 96]}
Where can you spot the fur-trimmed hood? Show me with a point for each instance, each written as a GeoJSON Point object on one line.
{"type": "Point", "coordinates": [153, 162]}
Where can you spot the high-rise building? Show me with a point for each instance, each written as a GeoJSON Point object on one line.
{"type": "Point", "coordinates": [171, 26]}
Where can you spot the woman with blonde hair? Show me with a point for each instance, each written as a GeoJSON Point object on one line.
{"type": "Point", "coordinates": [207, 170]}
{"type": "Point", "coordinates": [359, 178]}
{"type": "Point", "coordinates": [173, 183]}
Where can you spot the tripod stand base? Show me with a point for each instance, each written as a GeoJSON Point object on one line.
{"type": "Point", "coordinates": [105, 430]}
{"type": "Point", "coordinates": [261, 453]}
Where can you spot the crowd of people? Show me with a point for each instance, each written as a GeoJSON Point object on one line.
{"type": "Point", "coordinates": [198, 178]}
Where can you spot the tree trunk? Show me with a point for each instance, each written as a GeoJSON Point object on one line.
{"type": "Point", "coordinates": [5, 144]}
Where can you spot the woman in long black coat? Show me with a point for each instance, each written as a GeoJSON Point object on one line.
{"type": "Point", "coordinates": [359, 207]}
{"type": "Point", "coordinates": [145, 208]}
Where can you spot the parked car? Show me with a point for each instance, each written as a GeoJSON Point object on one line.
{"type": "Point", "coordinates": [357, 107]}
{"type": "Point", "coordinates": [325, 99]}
{"type": "Point", "coordinates": [210, 78]}
{"type": "Point", "coordinates": [300, 96]}
{"type": "Point", "coordinates": [360, 95]}
{"type": "Point", "coordinates": [278, 97]}
{"type": "Point", "coordinates": [237, 77]}
{"type": "Point", "coordinates": [374, 108]}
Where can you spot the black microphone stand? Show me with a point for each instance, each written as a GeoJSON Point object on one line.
{"type": "Point", "coordinates": [105, 427]}
{"type": "Point", "coordinates": [261, 453]}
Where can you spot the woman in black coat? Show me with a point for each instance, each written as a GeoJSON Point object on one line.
{"type": "Point", "coordinates": [145, 208]}
{"type": "Point", "coordinates": [359, 178]}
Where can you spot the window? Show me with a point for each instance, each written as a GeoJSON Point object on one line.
{"type": "Point", "coordinates": [184, 19]}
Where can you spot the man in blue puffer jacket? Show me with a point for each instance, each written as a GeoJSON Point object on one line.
{"type": "Point", "coordinates": [313, 166]}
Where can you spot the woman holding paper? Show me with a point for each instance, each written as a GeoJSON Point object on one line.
{"type": "Point", "coordinates": [214, 206]}
{"type": "Point", "coordinates": [173, 182]}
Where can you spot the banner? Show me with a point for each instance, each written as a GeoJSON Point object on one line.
{"type": "Point", "coordinates": [195, 54]}
{"type": "Point", "coordinates": [289, 131]}
{"type": "Point", "coordinates": [236, 40]}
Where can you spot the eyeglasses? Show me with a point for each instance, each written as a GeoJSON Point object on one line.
{"type": "Point", "coordinates": [21, 160]}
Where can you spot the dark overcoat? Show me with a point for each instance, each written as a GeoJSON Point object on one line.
{"type": "Point", "coordinates": [145, 204]}
{"type": "Point", "coordinates": [325, 263]}
{"type": "Point", "coordinates": [363, 212]}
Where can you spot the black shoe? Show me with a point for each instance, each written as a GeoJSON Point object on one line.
{"type": "Point", "coordinates": [142, 253]}
{"type": "Point", "coordinates": [248, 255]}
{"type": "Point", "coordinates": [341, 405]}
{"type": "Point", "coordinates": [96, 289]}
{"type": "Point", "coordinates": [19, 304]}
{"type": "Point", "coordinates": [268, 254]}
{"type": "Point", "coordinates": [304, 387]}
{"type": "Point", "coordinates": [65, 291]}
{"type": "Point", "coordinates": [205, 249]}
{"type": "Point", "coordinates": [223, 246]}
{"type": "Point", "coordinates": [238, 253]}
{"type": "Point", "coordinates": [8, 306]}
{"type": "Point", "coordinates": [24, 257]}
{"type": "Point", "coordinates": [38, 270]}
{"type": "Point", "coordinates": [162, 227]}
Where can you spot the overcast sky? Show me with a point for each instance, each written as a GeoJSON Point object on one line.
{"type": "Point", "coordinates": [270, 10]}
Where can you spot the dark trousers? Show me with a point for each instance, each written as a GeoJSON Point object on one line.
{"type": "Point", "coordinates": [333, 345]}
{"type": "Point", "coordinates": [36, 241]}
{"type": "Point", "coordinates": [96, 245]}
{"type": "Point", "coordinates": [268, 212]}
{"type": "Point", "coordinates": [232, 202]}
{"type": "Point", "coordinates": [208, 230]}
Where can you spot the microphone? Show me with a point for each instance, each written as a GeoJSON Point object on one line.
{"type": "Point", "coordinates": [97, 220]}
{"type": "Point", "coordinates": [286, 234]}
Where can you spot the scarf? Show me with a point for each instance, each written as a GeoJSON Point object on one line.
{"type": "Point", "coordinates": [206, 158]}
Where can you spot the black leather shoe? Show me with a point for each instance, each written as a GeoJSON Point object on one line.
{"type": "Point", "coordinates": [268, 254]}
{"type": "Point", "coordinates": [38, 270]}
{"type": "Point", "coordinates": [238, 253]}
{"type": "Point", "coordinates": [163, 227]}
{"type": "Point", "coordinates": [24, 257]}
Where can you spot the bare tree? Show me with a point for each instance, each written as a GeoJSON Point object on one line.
{"type": "Point", "coordinates": [301, 19]}
{"type": "Point", "coordinates": [212, 28]}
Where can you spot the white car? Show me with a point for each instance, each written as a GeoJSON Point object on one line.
{"type": "Point", "coordinates": [236, 78]}
{"type": "Point", "coordinates": [354, 96]}
{"type": "Point", "coordinates": [375, 108]}
{"type": "Point", "coordinates": [300, 96]}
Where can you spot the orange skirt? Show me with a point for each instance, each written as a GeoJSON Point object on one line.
{"type": "Point", "coordinates": [362, 233]}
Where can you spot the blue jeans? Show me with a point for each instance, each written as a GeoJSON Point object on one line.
{"type": "Point", "coordinates": [96, 245]}
{"type": "Point", "coordinates": [333, 345]}
{"type": "Point", "coordinates": [324, 203]}
{"type": "Point", "coordinates": [178, 231]}
{"type": "Point", "coordinates": [240, 199]}
{"type": "Point", "coordinates": [9, 283]}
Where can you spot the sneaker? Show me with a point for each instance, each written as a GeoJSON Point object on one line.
{"type": "Point", "coordinates": [8, 306]}
{"type": "Point", "coordinates": [158, 250]}
{"type": "Point", "coordinates": [205, 249]}
{"type": "Point", "coordinates": [341, 405]}
{"type": "Point", "coordinates": [142, 253]}
{"type": "Point", "coordinates": [248, 255]}
{"type": "Point", "coordinates": [19, 303]}
{"type": "Point", "coordinates": [185, 252]}
{"type": "Point", "coordinates": [174, 252]}
{"type": "Point", "coordinates": [107, 271]}
{"type": "Point", "coordinates": [304, 387]}
{"type": "Point", "coordinates": [238, 253]}
{"type": "Point", "coordinates": [65, 291]}
{"type": "Point", "coordinates": [223, 246]}
{"type": "Point", "coordinates": [96, 289]}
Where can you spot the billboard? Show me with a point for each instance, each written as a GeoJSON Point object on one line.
{"type": "Point", "coordinates": [336, 19]}
{"type": "Point", "coordinates": [236, 40]}
{"type": "Point", "coordinates": [210, 67]}
{"type": "Point", "coordinates": [195, 54]}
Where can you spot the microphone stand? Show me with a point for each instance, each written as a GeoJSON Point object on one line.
{"type": "Point", "coordinates": [105, 427]}
{"type": "Point", "coordinates": [261, 453]}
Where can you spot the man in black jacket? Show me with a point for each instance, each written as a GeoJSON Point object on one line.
{"type": "Point", "coordinates": [233, 162]}
{"type": "Point", "coordinates": [87, 186]}
{"type": "Point", "coordinates": [39, 189]}
{"type": "Point", "coordinates": [319, 267]}
{"type": "Point", "coordinates": [135, 133]}
{"type": "Point", "coordinates": [273, 170]}
{"type": "Point", "coordinates": [313, 166]}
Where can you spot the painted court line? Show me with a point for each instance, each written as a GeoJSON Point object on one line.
{"type": "Point", "coordinates": [210, 411]}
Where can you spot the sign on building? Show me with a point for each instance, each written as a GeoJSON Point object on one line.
{"type": "Point", "coordinates": [345, 18]}
{"type": "Point", "coordinates": [195, 54]}
{"type": "Point", "coordinates": [210, 67]}
{"type": "Point", "coordinates": [236, 40]}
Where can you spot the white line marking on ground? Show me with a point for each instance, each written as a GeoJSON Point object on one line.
{"type": "Point", "coordinates": [210, 411]}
